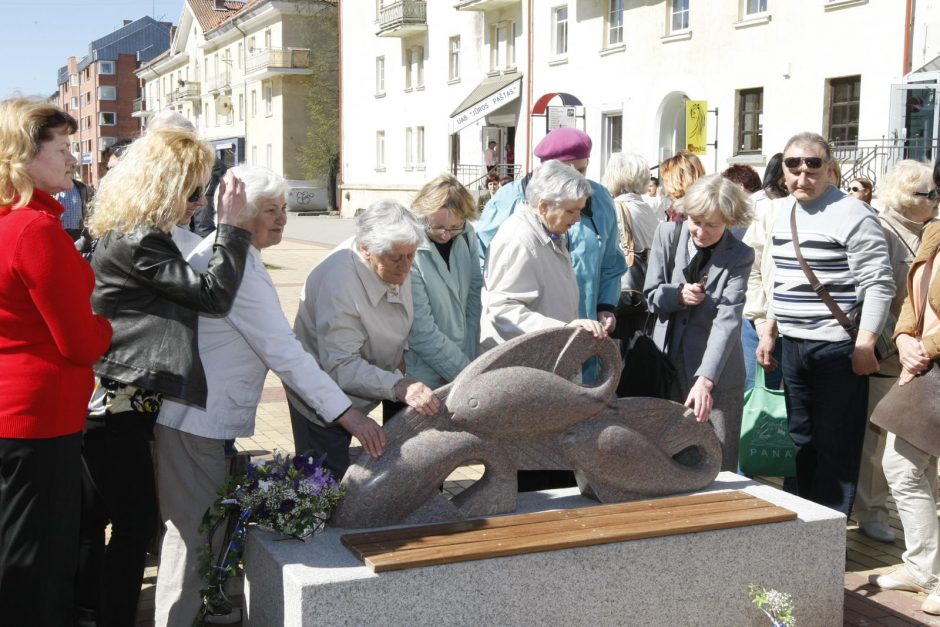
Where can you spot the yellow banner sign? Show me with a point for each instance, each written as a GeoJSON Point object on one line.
{"type": "Point", "coordinates": [696, 126]}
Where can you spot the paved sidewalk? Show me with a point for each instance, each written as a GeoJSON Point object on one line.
{"type": "Point", "coordinates": [289, 264]}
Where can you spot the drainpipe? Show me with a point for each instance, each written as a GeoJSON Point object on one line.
{"type": "Point", "coordinates": [339, 90]}
{"type": "Point", "coordinates": [528, 95]}
{"type": "Point", "coordinates": [908, 27]}
{"type": "Point", "coordinates": [244, 84]}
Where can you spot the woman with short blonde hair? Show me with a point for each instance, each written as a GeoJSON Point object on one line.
{"type": "Point", "coordinates": [446, 282]}
{"type": "Point", "coordinates": [49, 340]}
{"type": "Point", "coordinates": [153, 299]}
{"type": "Point", "coordinates": [676, 174]}
{"type": "Point", "coordinates": [698, 304]}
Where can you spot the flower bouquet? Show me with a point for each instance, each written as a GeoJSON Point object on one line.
{"type": "Point", "coordinates": [293, 496]}
{"type": "Point", "coordinates": [778, 606]}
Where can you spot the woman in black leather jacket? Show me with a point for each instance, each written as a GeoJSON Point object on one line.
{"type": "Point", "coordinates": [152, 298]}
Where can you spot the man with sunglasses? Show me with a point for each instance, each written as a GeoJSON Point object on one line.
{"type": "Point", "coordinates": [825, 368]}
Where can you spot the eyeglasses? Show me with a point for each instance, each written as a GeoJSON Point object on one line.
{"type": "Point", "coordinates": [932, 195]}
{"type": "Point", "coordinates": [441, 230]}
{"type": "Point", "coordinates": [196, 195]}
{"type": "Point", "coordinates": [812, 163]}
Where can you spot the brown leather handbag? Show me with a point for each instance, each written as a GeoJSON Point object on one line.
{"type": "Point", "coordinates": [912, 411]}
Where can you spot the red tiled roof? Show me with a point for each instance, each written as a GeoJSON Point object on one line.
{"type": "Point", "coordinates": [209, 18]}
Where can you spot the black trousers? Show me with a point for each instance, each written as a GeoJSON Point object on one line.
{"type": "Point", "coordinates": [40, 490]}
{"type": "Point", "coordinates": [118, 487]}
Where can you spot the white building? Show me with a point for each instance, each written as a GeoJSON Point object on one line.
{"type": "Point", "coordinates": [238, 71]}
{"type": "Point", "coordinates": [426, 85]}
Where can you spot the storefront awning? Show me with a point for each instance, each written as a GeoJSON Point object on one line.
{"type": "Point", "coordinates": [491, 94]}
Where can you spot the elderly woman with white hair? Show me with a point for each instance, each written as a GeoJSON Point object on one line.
{"type": "Point", "coordinates": [530, 284]}
{"type": "Point", "coordinates": [699, 301]}
{"type": "Point", "coordinates": [237, 351]}
{"type": "Point", "coordinates": [355, 314]}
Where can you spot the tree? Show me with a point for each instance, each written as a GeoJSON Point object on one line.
{"type": "Point", "coordinates": [320, 155]}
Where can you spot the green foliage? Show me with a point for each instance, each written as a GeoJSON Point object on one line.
{"type": "Point", "coordinates": [778, 606]}
{"type": "Point", "coordinates": [319, 156]}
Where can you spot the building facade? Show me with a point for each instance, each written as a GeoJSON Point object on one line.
{"type": "Point", "coordinates": [240, 72]}
{"type": "Point", "coordinates": [99, 90]}
{"type": "Point", "coordinates": [450, 77]}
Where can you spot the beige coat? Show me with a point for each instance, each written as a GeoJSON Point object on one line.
{"type": "Point", "coordinates": [529, 281]}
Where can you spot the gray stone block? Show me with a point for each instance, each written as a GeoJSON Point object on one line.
{"type": "Point", "coordinates": [691, 579]}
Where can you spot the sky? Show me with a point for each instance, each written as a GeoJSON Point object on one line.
{"type": "Point", "coordinates": [41, 35]}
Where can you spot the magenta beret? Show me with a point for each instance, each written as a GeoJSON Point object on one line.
{"type": "Point", "coordinates": [564, 144]}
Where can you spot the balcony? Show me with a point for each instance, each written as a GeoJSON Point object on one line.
{"type": "Point", "coordinates": [483, 5]}
{"type": "Point", "coordinates": [188, 91]}
{"type": "Point", "coordinates": [220, 83]}
{"type": "Point", "coordinates": [403, 19]}
{"type": "Point", "coordinates": [140, 109]}
{"type": "Point", "coordinates": [264, 64]}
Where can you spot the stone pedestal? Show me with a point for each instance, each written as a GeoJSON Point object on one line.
{"type": "Point", "coordinates": [689, 579]}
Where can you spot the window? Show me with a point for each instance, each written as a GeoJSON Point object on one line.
{"type": "Point", "coordinates": [750, 121]}
{"type": "Point", "coordinates": [560, 31]}
{"type": "Point", "coordinates": [613, 135]}
{"type": "Point", "coordinates": [268, 155]}
{"type": "Point", "coordinates": [241, 107]}
{"type": "Point", "coordinates": [105, 67]}
{"type": "Point", "coordinates": [241, 54]}
{"type": "Point", "coordinates": [254, 103]}
{"type": "Point", "coordinates": [251, 44]}
{"type": "Point", "coordinates": [502, 46]}
{"type": "Point", "coordinates": [107, 92]}
{"type": "Point", "coordinates": [73, 80]}
{"type": "Point", "coordinates": [419, 72]}
{"type": "Point", "coordinates": [844, 96]}
{"type": "Point", "coordinates": [268, 96]}
{"type": "Point", "coordinates": [206, 118]}
{"type": "Point", "coordinates": [409, 53]}
{"type": "Point", "coordinates": [409, 148]}
{"type": "Point", "coordinates": [380, 76]}
{"type": "Point", "coordinates": [679, 15]}
{"type": "Point", "coordinates": [615, 23]}
{"type": "Point", "coordinates": [414, 68]}
{"type": "Point", "coordinates": [107, 118]}
{"type": "Point", "coordinates": [380, 150]}
{"type": "Point", "coordinates": [453, 59]}
{"type": "Point", "coordinates": [267, 39]}
{"type": "Point", "coordinates": [254, 155]}
{"type": "Point", "coordinates": [419, 147]}
{"type": "Point", "coordinates": [73, 102]}
{"type": "Point", "coordinates": [753, 7]}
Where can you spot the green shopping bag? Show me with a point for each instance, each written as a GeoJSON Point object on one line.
{"type": "Point", "coordinates": [766, 448]}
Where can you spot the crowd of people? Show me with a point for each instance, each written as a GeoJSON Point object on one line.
{"type": "Point", "coordinates": [155, 346]}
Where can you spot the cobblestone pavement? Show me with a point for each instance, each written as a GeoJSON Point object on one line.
{"type": "Point", "coordinates": [289, 264]}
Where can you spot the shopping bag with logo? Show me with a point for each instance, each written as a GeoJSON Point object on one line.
{"type": "Point", "coordinates": [766, 448]}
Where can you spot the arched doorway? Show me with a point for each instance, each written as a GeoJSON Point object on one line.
{"type": "Point", "coordinates": [670, 119]}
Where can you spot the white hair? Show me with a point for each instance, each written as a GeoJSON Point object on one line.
{"type": "Point", "coordinates": [626, 172]}
{"type": "Point", "coordinates": [170, 119]}
{"type": "Point", "coordinates": [556, 182]}
{"type": "Point", "coordinates": [260, 184]}
{"type": "Point", "coordinates": [385, 223]}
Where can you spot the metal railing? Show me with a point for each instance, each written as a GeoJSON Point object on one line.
{"type": "Point", "coordinates": [189, 91]}
{"type": "Point", "coordinates": [140, 104]}
{"type": "Point", "coordinates": [283, 58]}
{"type": "Point", "coordinates": [474, 176]}
{"type": "Point", "coordinates": [403, 12]}
{"type": "Point", "coordinates": [221, 80]}
{"type": "Point", "coordinates": [873, 157]}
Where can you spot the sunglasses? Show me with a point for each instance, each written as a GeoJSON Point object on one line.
{"type": "Point", "coordinates": [932, 195]}
{"type": "Point", "coordinates": [812, 163]}
{"type": "Point", "coordinates": [856, 189]}
{"type": "Point", "coordinates": [196, 195]}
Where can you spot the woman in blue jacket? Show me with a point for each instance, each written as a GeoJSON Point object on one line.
{"type": "Point", "coordinates": [445, 281]}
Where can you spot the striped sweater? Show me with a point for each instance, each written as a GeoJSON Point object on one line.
{"type": "Point", "coordinates": [842, 241]}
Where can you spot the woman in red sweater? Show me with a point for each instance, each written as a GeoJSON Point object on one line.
{"type": "Point", "coordinates": [49, 340]}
